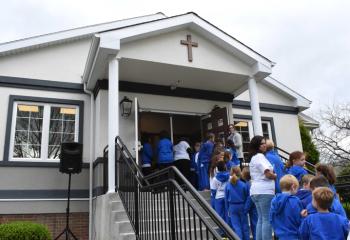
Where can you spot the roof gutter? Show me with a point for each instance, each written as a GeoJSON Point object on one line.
{"type": "Point", "coordinates": [91, 59]}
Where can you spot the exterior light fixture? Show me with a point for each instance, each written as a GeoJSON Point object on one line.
{"type": "Point", "coordinates": [125, 107]}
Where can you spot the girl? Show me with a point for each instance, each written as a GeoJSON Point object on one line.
{"type": "Point", "coordinates": [205, 154]}
{"type": "Point", "coordinates": [295, 165]}
{"type": "Point", "coordinates": [219, 184]}
{"type": "Point", "coordinates": [227, 159]}
{"type": "Point", "coordinates": [250, 207]}
{"type": "Point", "coordinates": [165, 151]}
{"type": "Point", "coordinates": [182, 160]}
{"type": "Point", "coordinates": [328, 172]}
{"type": "Point", "coordinates": [236, 195]}
{"type": "Point", "coordinates": [233, 150]}
{"type": "Point", "coordinates": [212, 173]}
{"type": "Point", "coordinates": [194, 165]}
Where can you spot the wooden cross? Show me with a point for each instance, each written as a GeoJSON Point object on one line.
{"type": "Point", "coordinates": [189, 44]}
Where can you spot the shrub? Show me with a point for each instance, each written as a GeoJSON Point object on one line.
{"type": "Point", "coordinates": [24, 231]}
{"type": "Point", "coordinates": [308, 146]}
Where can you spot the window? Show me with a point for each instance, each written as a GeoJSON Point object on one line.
{"type": "Point", "coordinates": [38, 129]}
{"type": "Point", "coordinates": [245, 128]}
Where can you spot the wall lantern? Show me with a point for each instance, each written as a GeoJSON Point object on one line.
{"type": "Point", "coordinates": [125, 107]}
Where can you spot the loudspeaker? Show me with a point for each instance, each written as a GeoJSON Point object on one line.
{"type": "Point", "coordinates": [71, 157]}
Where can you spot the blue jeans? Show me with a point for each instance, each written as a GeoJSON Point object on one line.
{"type": "Point", "coordinates": [263, 204]}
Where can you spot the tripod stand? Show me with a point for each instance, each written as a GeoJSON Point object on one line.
{"type": "Point", "coordinates": [67, 230]}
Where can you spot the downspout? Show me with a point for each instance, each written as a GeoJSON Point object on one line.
{"type": "Point", "coordinates": [92, 155]}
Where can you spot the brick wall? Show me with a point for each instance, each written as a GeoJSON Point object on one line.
{"type": "Point", "coordinates": [56, 222]}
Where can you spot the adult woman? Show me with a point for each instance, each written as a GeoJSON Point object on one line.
{"type": "Point", "coordinates": [262, 187]}
{"type": "Point", "coordinates": [182, 152]}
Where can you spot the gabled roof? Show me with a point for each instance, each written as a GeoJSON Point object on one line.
{"type": "Point", "coordinates": [88, 31]}
{"type": "Point", "coordinates": [71, 34]}
{"type": "Point", "coordinates": [308, 121]}
{"type": "Point", "coordinates": [300, 101]}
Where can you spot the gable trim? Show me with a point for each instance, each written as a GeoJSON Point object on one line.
{"type": "Point", "coordinates": [266, 107]}
{"type": "Point", "coordinates": [37, 84]}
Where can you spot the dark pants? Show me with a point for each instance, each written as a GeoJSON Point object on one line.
{"type": "Point", "coordinates": [184, 167]}
{"type": "Point", "coordinates": [162, 166]}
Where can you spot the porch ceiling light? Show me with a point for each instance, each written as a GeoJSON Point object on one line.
{"type": "Point", "coordinates": [125, 107]}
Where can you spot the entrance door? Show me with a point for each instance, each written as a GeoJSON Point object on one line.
{"type": "Point", "coordinates": [216, 122]}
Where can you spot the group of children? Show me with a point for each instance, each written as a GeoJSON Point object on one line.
{"type": "Point", "coordinates": [311, 210]}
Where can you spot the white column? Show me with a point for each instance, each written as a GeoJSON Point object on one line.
{"type": "Point", "coordinates": [254, 105]}
{"type": "Point", "coordinates": [113, 118]}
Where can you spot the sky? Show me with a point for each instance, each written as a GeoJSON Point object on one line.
{"type": "Point", "coordinates": [308, 39]}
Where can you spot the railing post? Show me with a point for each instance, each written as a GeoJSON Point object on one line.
{"type": "Point", "coordinates": [172, 204]}
{"type": "Point", "coordinates": [136, 202]}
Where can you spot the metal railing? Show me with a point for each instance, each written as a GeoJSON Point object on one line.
{"type": "Point", "coordinates": [159, 208]}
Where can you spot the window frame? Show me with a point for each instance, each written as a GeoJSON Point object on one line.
{"type": "Point", "coordinates": [47, 103]}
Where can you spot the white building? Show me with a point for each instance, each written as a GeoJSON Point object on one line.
{"type": "Point", "coordinates": [54, 88]}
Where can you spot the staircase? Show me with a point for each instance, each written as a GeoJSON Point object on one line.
{"type": "Point", "coordinates": [123, 230]}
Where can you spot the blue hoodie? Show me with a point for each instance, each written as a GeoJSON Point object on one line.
{"type": "Point", "coordinates": [336, 208]}
{"type": "Point", "coordinates": [236, 193]}
{"type": "Point", "coordinates": [222, 177]}
{"type": "Point", "coordinates": [146, 154]}
{"type": "Point", "coordinates": [165, 151]}
{"type": "Point", "coordinates": [234, 157]}
{"type": "Point", "coordinates": [278, 167]}
{"type": "Point", "coordinates": [297, 172]}
{"type": "Point", "coordinates": [285, 215]}
{"type": "Point", "coordinates": [305, 196]}
{"type": "Point", "coordinates": [205, 152]}
{"type": "Point", "coordinates": [324, 226]}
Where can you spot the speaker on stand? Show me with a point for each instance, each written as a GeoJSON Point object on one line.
{"type": "Point", "coordinates": [71, 161]}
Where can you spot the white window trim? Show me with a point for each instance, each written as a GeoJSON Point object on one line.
{"type": "Point", "coordinates": [45, 130]}
{"type": "Point", "coordinates": [250, 126]}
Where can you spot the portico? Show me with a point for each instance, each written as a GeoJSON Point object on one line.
{"type": "Point", "coordinates": [208, 68]}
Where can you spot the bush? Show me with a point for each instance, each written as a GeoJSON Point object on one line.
{"type": "Point", "coordinates": [308, 146]}
{"type": "Point", "coordinates": [24, 231]}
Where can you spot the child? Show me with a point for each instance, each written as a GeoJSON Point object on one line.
{"type": "Point", "coordinates": [249, 207]}
{"type": "Point", "coordinates": [219, 183]}
{"type": "Point", "coordinates": [236, 195]}
{"type": "Point", "coordinates": [212, 173]}
{"type": "Point", "coordinates": [336, 207]}
{"type": "Point", "coordinates": [295, 165]}
{"type": "Point", "coordinates": [233, 150]}
{"type": "Point", "coordinates": [328, 172]}
{"type": "Point", "coordinates": [276, 162]}
{"type": "Point", "coordinates": [323, 225]}
{"type": "Point", "coordinates": [285, 210]}
{"type": "Point", "coordinates": [304, 193]}
{"type": "Point", "coordinates": [204, 157]}
{"type": "Point", "coordinates": [227, 159]}
{"type": "Point", "coordinates": [165, 151]}
{"type": "Point", "coordinates": [146, 155]}
{"type": "Point", "coordinates": [194, 165]}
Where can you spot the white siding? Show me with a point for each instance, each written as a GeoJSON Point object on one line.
{"type": "Point", "coordinates": [64, 62]}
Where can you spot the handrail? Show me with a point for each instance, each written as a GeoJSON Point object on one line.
{"type": "Point", "coordinates": [136, 187]}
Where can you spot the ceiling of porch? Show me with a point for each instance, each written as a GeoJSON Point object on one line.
{"type": "Point", "coordinates": [134, 70]}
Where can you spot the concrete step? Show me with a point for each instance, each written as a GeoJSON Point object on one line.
{"type": "Point", "coordinates": [126, 236]}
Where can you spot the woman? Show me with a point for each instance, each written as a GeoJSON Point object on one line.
{"type": "Point", "coordinates": [182, 152]}
{"type": "Point", "coordinates": [262, 187]}
{"type": "Point", "coordinates": [164, 151]}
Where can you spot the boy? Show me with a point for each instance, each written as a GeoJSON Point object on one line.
{"type": "Point", "coordinates": [304, 193]}
{"type": "Point", "coordinates": [218, 188]}
{"type": "Point", "coordinates": [324, 225]}
{"type": "Point", "coordinates": [285, 209]}
{"type": "Point", "coordinates": [336, 207]}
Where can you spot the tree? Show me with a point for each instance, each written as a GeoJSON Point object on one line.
{"type": "Point", "coordinates": [308, 145]}
{"type": "Point", "coordinates": [333, 138]}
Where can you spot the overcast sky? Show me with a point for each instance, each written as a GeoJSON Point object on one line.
{"type": "Point", "coordinates": [309, 40]}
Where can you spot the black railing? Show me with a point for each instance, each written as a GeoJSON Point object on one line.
{"type": "Point", "coordinates": [159, 208]}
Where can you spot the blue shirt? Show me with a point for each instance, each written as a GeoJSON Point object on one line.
{"type": "Point", "coordinates": [146, 154]}
{"type": "Point", "coordinates": [236, 193]}
{"type": "Point", "coordinates": [278, 167]}
{"type": "Point", "coordinates": [165, 151]}
{"type": "Point", "coordinates": [305, 197]}
{"type": "Point", "coordinates": [205, 152]}
{"type": "Point", "coordinates": [336, 208]}
{"type": "Point", "coordinates": [285, 215]}
{"type": "Point", "coordinates": [324, 226]}
{"type": "Point", "coordinates": [234, 158]}
{"type": "Point", "coordinates": [297, 172]}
